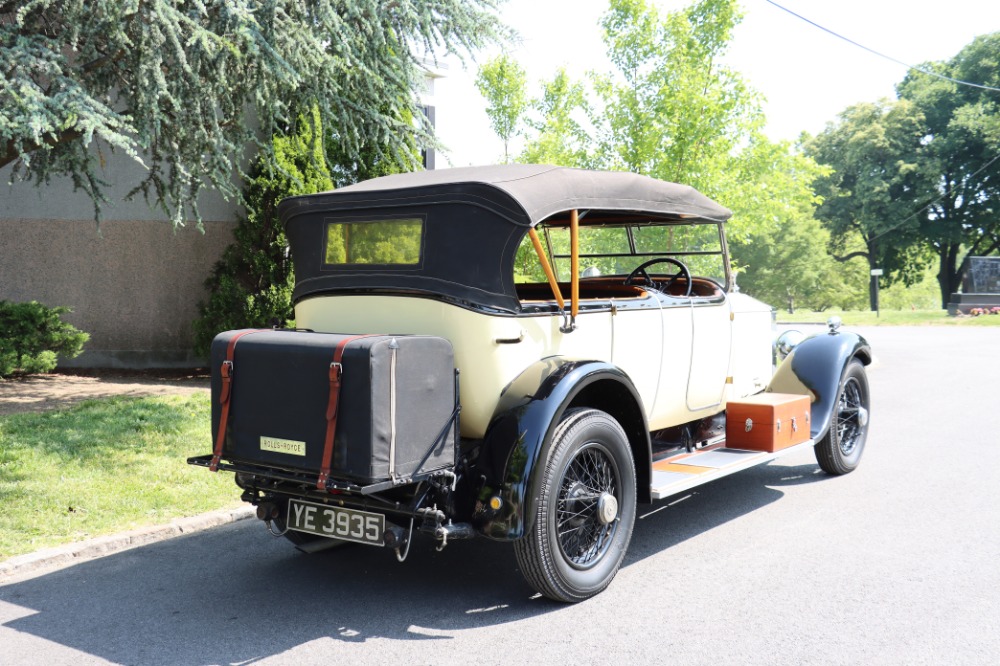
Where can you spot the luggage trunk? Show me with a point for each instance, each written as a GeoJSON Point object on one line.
{"type": "Point", "coordinates": [396, 417]}
{"type": "Point", "coordinates": [767, 421]}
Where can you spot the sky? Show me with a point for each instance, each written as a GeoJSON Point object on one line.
{"type": "Point", "coordinates": [806, 76]}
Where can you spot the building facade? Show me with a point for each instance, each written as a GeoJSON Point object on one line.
{"type": "Point", "coordinates": [133, 284]}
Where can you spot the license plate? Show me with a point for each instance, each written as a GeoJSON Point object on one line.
{"type": "Point", "coordinates": [336, 522]}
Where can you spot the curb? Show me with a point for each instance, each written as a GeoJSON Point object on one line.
{"type": "Point", "coordinates": [63, 556]}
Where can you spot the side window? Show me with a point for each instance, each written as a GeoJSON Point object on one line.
{"type": "Point", "coordinates": [603, 251]}
{"type": "Point", "coordinates": [527, 268]}
{"type": "Point", "coordinates": [374, 242]}
{"type": "Point", "coordinates": [598, 247]}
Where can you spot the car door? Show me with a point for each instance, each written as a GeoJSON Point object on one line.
{"type": "Point", "coordinates": [695, 361]}
{"type": "Point", "coordinates": [711, 339]}
{"type": "Point", "coordinates": [675, 363]}
{"type": "Point", "coordinates": [637, 344]}
{"type": "Point", "coordinates": [696, 324]}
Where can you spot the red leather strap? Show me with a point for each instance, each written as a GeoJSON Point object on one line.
{"type": "Point", "coordinates": [226, 370]}
{"type": "Point", "coordinates": [336, 370]}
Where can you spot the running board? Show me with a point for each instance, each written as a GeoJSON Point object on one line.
{"type": "Point", "coordinates": [679, 473]}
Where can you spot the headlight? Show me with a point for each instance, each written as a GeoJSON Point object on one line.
{"type": "Point", "coordinates": [786, 342]}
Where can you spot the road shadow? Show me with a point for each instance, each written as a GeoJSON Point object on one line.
{"type": "Point", "coordinates": [235, 595]}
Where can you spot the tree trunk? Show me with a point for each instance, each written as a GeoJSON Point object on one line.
{"type": "Point", "coordinates": [872, 261]}
{"type": "Point", "coordinates": [948, 272]}
{"type": "Point", "coordinates": [872, 289]}
{"type": "Point", "coordinates": [943, 286]}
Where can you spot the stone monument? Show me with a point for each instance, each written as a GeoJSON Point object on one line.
{"type": "Point", "coordinates": [980, 286]}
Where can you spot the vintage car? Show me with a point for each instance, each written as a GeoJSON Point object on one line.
{"type": "Point", "coordinates": [519, 352]}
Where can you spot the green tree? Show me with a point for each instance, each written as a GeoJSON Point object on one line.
{"type": "Point", "coordinates": [670, 109]}
{"type": "Point", "coordinates": [788, 266]}
{"type": "Point", "coordinates": [922, 295]}
{"type": "Point", "coordinates": [251, 285]}
{"type": "Point", "coordinates": [873, 190]}
{"type": "Point", "coordinates": [558, 136]}
{"type": "Point", "coordinates": [185, 86]}
{"type": "Point", "coordinates": [960, 142]}
{"type": "Point", "coordinates": [503, 83]}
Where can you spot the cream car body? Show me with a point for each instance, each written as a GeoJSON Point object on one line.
{"type": "Point", "coordinates": [598, 337]}
{"type": "Point", "coordinates": [685, 361]}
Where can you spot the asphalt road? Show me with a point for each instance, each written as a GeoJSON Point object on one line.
{"type": "Point", "coordinates": [896, 563]}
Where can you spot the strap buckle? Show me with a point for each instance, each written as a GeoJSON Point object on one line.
{"type": "Point", "coordinates": [227, 369]}
{"type": "Point", "coordinates": [336, 371]}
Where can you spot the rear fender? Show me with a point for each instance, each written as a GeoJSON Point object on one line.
{"type": "Point", "coordinates": [521, 431]}
{"type": "Point", "coordinates": [814, 368]}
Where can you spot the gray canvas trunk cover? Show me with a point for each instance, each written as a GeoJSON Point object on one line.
{"type": "Point", "coordinates": [396, 403]}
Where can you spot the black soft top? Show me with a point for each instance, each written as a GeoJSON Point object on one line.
{"type": "Point", "coordinates": [475, 219]}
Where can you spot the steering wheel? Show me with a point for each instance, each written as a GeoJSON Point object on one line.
{"type": "Point", "coordinates": [641, 270]}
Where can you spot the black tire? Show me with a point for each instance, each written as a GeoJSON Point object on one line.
{"type": "Point", "coordinates": [589, 463]}
{"type": "Point", "coordinates": [839, 452]}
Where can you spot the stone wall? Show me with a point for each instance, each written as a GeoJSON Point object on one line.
{"type": "Point", "coordinates": [134, 288]}
{"type": "Point", "coordinates": [134, 285]}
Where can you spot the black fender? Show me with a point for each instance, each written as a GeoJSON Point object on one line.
{"type": "Point", "coordinates": [814, 368]}
{"type": "Point", "coordinates": [521, 430]}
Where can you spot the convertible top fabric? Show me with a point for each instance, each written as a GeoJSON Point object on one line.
{"type": "Point", "coordinates": [474, 221]}
{"type": "Point", "coordinates": [542, 190]}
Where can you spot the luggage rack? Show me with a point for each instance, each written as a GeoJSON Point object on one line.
{"type": "Point", "coordinates": [272, 473]}
{"type": "Point", "coordinates": [334, 486]}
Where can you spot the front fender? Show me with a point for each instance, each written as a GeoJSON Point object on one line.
{"type": "Point", "coordinates": [814, 368]}
{"type": "Point", "coordinates": [521, 431]}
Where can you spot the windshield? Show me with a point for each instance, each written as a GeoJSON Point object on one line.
{"type": "Point", "coordinates": [617, 250]}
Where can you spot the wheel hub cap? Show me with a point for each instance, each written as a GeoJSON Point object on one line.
{"type": "Point", "coordinates": [862, 417]}
{"type": "Point", "coordinates": [587, 514]}
{"type": "Point", "coordinates": [607, 508]}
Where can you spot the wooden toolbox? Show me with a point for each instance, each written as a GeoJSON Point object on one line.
{"type": "Point", "coordinates": [767, 421]}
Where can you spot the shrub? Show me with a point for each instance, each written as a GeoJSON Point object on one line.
{"type": "Point", "coordinates": [33, 335]}
{"type": "Point", "coordinates": [251, 286]}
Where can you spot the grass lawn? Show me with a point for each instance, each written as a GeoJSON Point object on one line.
{"type": "Point", "coordinates": [889, 318]}
{"type": "Point", "coordinates": [104, 466]}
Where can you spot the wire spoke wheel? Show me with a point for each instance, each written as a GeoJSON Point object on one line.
{"type": "Point", "coordinates": [585, 510]}
{"type": "Point", "coordinates": [839, 452]}
{"type": "Point", "coordinates": [590, 479]}
{"type": "Point", "coordinates": [850, 414]}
